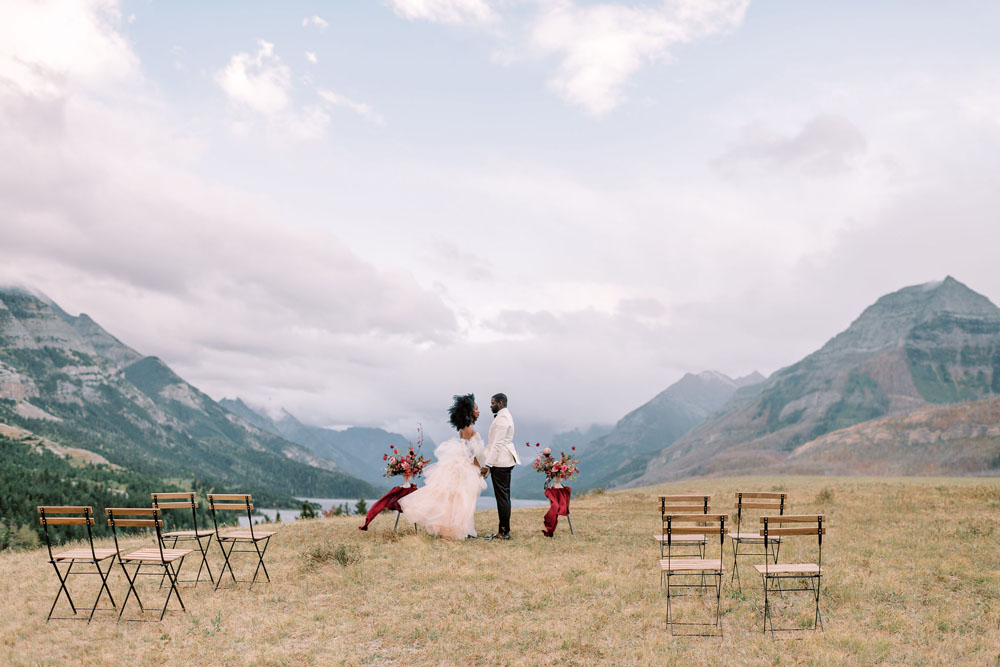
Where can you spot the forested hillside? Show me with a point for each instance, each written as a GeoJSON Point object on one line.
{"type": "Point", "coordinates": [31, 476]}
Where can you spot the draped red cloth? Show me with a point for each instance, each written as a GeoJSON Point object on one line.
{"type": "Point", "coordinates": [558, 506]}
{"type": "Point", "coordinates": [389, 501]}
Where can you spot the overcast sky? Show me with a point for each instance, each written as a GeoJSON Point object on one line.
{"type": "Point", "coordinates": [355, 209]}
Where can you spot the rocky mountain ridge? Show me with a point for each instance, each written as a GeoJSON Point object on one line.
{"type": "Point", "coordinates": [935, 343]}
{"type": "Point", "coordinates": [356, 450]}
{"type": "Point", "coordinates": [68, 380]}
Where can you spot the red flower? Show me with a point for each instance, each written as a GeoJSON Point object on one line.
{"type": "Point", "coordinates": [536, 444]}
{"type": "Point", "coordinates": [573, 448]}
{"type": "Point", "coordinates": [385, 457]}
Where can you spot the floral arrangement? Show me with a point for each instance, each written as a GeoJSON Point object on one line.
{"type": "Point", "coordinates": [410, 464]}
{"type": "Point", "coordinates": [556, 469]}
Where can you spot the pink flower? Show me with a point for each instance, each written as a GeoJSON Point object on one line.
{"type": "Point", "coordinates": [546, 451]}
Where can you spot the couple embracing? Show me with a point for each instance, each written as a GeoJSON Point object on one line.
{"type": "Point", "coordinates": [446, 504]}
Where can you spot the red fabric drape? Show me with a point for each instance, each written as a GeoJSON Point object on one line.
{"type": "Point", "coordinates": [558, 506]}
{"type": "Point", "coordinates": [389, 501]}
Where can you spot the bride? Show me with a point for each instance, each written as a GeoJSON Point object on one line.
{"type": "Point", "coordinates": [446, 505]}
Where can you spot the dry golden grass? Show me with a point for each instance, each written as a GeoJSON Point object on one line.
{"type": "Point", "coordinates": [911, 578]}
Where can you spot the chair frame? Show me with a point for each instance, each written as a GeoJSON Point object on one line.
{"type": "Point", "coordinates": [173, 501]}
{"type": "Point", "coordinates": [683, 504]}
{"type": "Point", "coordinates": [810, 581]}
{"type": "Point", "coordinates": [681, 567]}
{"type": "Point", "coordinates": [757, 501]}
{"type": "Point", "coordinates": [125, 517]}
{"type": "Point", "coordinates": [238, 501]}
{"type": "Point", "coordinates": [84, 516]}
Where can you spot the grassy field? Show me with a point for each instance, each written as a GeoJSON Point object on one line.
{"type": "Point", "coordinates": [912, 577]}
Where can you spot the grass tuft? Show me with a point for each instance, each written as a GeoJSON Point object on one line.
{"type": "Point", "coordinates": [345, 554]}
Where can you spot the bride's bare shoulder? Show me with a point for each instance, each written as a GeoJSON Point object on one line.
{"type": "Point", "coordinates": [467, 433]}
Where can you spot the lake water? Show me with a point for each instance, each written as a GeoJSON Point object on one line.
{"type": "Point", "coordinates": [482, 503]}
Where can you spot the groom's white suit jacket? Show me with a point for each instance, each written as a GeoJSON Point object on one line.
{"type": "Point", "coordinates": [500, 450]}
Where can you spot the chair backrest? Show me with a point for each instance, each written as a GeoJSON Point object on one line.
{"type": "Point", "coordinates": [760, 501]}
{"type": "Point", "coordinates": [694, 524]}
{"type": "Point", "coordinates": [67, 515]}
{"type": "Point", "coordinates": [802, 524]}
{"type": "Point", "coordinates": [231, 501]}
{"type": "Point", "coordinates": [682, 504]}
{"type": "Point", "coordinates": [685, 503]}
{"type": "Point", "coordinates": [135, 517]}
{"type": "Point", "coordinates": [178, 500]}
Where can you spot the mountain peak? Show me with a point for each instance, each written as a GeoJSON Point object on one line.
{"type": "Point", "coordinates": [887, 322]}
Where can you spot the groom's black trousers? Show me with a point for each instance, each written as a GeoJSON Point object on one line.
{"type": "Point", "coordinates": [501, 489]}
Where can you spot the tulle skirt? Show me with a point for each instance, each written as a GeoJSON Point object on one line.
{"type": "Point", "coordinates": [446, 504]}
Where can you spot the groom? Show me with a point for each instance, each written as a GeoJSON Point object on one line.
{"type": "Point", "coordinates": [501, 457]}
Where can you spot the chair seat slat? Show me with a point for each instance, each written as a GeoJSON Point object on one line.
{"type": "Point", "coordinates": [189, 533]}
{"type": "Point", "coordinates": [85, 554]}
{"type": "Point", "coordinates": [247, 535]}
{"type": "Point", "coordinates": [789, 568]}
{"type": "Point", "coordinates": [751, 537]}
{"type": "Point", "coordinates": [691, 565]}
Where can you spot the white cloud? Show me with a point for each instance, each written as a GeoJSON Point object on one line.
{"type": "Point", "coordinates": [317, 21]}
{"type": "Point", "coordinates": [360, 108]}
{"type": "Point", "coordinates": [215, 279]}
{"type": "Point", "coordinates": [259, 81]}
{"type": "Point", "coordinates": [311, 57]}
{"type": "Point", "coordinates": [445, 11]}
{"type": "Point", "coordinates": [825, 145]}
{"type": "Point", "coordinates": [602, 45]}
{"type": "Point", "coordinates": [48, 46]}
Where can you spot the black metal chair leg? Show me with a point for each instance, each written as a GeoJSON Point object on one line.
{"type": "Point", "coordinates": [131, 589]}
{"type": "Point", "coordinates": [62, 589]}
{"type": "Point", "coordinates": [260, 562]}
{"type": "Point", "coordinates": [104, 587]}
{"type": "Point", "coordinates": [225, 557]}
{"type": "Point", "coordinates": [204, 560]}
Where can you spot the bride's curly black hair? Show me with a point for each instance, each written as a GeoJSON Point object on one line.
{"type": "Point", "coordinates": [460, 412]}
